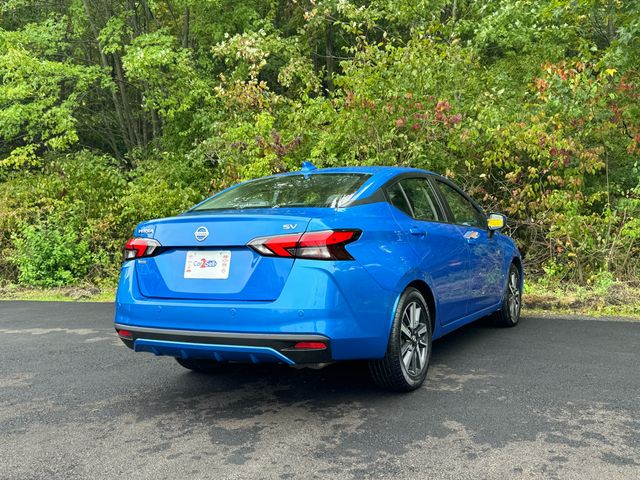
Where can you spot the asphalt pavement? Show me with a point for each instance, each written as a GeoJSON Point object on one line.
{"type": "Point", "coordinates": [551, 398]}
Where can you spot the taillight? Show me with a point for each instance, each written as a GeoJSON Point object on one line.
{"type": "Point", "coordinates": [323, 245]}
{"type": "Point", "coordinates": [140, 247]}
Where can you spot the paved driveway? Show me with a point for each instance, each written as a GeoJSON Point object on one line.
{"type": "Point", "coordinates": [552, 398]}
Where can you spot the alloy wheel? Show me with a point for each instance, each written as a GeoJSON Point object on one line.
{"type": "Point", "coordinates": [514, 298]}
{"type": "Point", "coordinates": [414, 344]}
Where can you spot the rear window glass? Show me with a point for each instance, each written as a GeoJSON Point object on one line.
{"type": "Point", "coordinates": [315, 190]}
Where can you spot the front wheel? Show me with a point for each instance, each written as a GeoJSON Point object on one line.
{"type": "Point", "coordinates": [201, 365]}
{"type": "Point", "coordinates": [509, 313]}
{"type": "Point", "coordinates": [405, 364]}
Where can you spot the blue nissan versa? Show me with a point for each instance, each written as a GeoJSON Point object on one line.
{"type": "Point", "coordinates": [312, 267]}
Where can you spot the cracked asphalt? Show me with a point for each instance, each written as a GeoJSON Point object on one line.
{"type": "Point", "coordinates": [551, 398]}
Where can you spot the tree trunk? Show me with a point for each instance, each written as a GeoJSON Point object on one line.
{"type": "Point", "coordinates": [329, 61]}
{"type": "Point", "coordinates": [185, 27]}
{"type": "Point", "coordinates": [611, 24]}
{"type": "Point", "coordinates": [280, 12]}
{"type": "Point", "coordinates": [128, 141]}
{"type": "Point", "coordinates": [148, 16]}
{"type": "Point", "coordinates": [128, 113]}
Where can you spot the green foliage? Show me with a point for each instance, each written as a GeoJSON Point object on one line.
{"type": "Point", "coordinates": [167, 71]}
{"type": "Point", "coordinates": [111, 114]}
{"type": "Point", "coordinates": [39, 94]}
{"type": "Point", "coordinates": [52, 253]}
{"type": "Point", "coordinates": [68, 222]}
{"type": "Point", "coordinates": [161, 187]}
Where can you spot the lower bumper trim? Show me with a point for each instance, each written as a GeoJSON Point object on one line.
{"type": "Point", "coordinates": [220, 353]}
{"type": "Point", "coordinates": [226, 346]}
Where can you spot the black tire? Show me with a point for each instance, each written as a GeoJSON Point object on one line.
{"type": "Point", "coordinates": [509, 313]}
{"type": "Point", "coordinates": [201, 365]}
{"type": "Point", "coordinates": [410, 339]}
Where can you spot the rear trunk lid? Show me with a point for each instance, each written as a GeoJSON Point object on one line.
{"type": "Point", "coordinates": [205, 257]}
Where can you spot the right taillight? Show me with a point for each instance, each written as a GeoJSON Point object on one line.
{"type": "Point", "coordinates": [322, 245]}
{"type": "Point", "coordinates": [140, 247]}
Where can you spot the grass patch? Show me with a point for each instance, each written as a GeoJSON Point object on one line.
{"type": "Point", "coordinates": [611, 299]}
{"type": "Point", "coordinates": [80, 293]}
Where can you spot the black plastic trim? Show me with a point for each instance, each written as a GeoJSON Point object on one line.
{"type": "Point", "coordinates": [376, 197]}
{"type": "Point", "coordinates": [281, 342]}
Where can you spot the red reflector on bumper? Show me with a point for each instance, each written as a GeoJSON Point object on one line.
{"type": "Point", "coordinates": [125, 334]}
{"type": "Point", "coordinates": [310, 346]}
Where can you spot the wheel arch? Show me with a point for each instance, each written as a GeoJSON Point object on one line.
{"type": "Point", "coordinates": [427, 293]}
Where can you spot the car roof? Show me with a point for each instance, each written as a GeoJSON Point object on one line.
{"type": "Point", "coordinates": [379, 174]}
{"type": "Point", "coordinates": [365, 169]}
{"type": "Point", "coordinates": [370, 189]}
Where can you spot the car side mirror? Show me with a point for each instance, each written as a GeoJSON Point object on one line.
{"type": "Point", "coordinates": [496, 221]}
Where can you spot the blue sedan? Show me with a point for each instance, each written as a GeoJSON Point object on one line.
{"type": "Point", "coordinates": [317, 266]}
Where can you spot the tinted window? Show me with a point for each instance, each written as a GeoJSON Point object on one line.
{"type": "Point", "coordinates": [421, 198]}
{"type": "Point", "coordinates": [315, 190]}
{"type": "Point", "coordinates": [398, 199]}
{"type": "Point", "coordinates": [463, 211]}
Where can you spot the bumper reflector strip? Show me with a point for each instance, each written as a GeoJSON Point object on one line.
{"type": "Point", "coordinates": [125, 334]}
{"type": "Point", "coordinates": [310, 346]}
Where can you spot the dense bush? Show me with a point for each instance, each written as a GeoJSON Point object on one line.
{"type": "Point", "coordinates": [53, 253]}
{"type": "Point", "coordinates": [69, 222]}
{"type": "Point", "coordinates": [105, 120]}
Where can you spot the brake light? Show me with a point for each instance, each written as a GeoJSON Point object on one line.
{"type": "Point", "coordinates": [323, 245]}
{"type": "Point", "coordinates": [140, 247]}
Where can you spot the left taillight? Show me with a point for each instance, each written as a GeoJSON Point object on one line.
{"type": "Point", "coordinates": [322, 245]}
{"type": "Point", "coordinates": [140, 247]}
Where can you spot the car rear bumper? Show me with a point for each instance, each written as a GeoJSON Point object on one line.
{"type": "Point", "coordinates": [339, 303]}
{"type": "Point", "coordinates": [224, 346]}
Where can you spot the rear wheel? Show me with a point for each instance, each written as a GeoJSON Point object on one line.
{"type": "Point", "coordinates": [404, 366]}
{"type": "Point", "coordinates": [201, 365]}
{"type": "Point", "coordinates": [509, 313]}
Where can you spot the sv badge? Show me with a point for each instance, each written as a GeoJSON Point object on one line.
{"type": "Point", "coordinates": [289, 226]}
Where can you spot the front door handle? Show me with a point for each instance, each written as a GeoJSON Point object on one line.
{"type": "Point", "coordinates": [417, 231]}
{"type": "Point", "coordinates": [471, 235]}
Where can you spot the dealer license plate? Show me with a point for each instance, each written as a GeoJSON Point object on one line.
{"type": "Point", "coordinates": [213, 264]}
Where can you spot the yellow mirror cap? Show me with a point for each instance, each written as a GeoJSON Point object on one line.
{"type": "Point", "coordinates": [495, 222]}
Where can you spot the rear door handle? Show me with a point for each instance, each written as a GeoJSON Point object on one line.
{"type": "Point", "coordinates": [417, 231]}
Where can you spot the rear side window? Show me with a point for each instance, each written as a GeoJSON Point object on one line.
{"type": "Point", "coordinates": [421, 198]}
{"type": "Point", "coordinates": [464, 212]}
{"type": "Point", "coordinates": [315, 190]}
{"type": "Point", "coordinates": [414, 197]}
{"type": "Point", "coordinates": [398, 199]}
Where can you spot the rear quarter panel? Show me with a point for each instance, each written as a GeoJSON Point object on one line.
{"type": "Point", "coordinates": [382, 250]}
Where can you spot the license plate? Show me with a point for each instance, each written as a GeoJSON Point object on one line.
{"type": "Point", "coordinates": [212, 264]}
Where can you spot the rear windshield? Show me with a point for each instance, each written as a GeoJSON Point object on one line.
{"type": "Point", "coordinates": [315, 190]}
